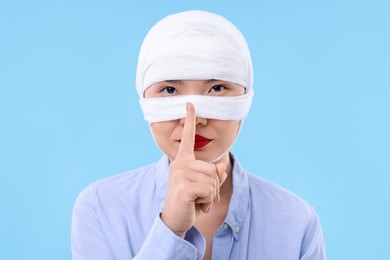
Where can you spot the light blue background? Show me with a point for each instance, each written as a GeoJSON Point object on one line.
{"type": "Point", "coordinates": [319, 125]}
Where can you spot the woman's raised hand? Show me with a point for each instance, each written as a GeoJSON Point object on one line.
{"type": "Point", "coordinates": [193, 185]}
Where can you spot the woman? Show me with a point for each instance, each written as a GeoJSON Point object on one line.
{"type": "Point", "coordinates": [194, 79]}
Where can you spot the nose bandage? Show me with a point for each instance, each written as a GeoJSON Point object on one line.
{"type": "Point", "coordinates": [194, 45]}
{"type": "Point", "coordinates": [171, 108]}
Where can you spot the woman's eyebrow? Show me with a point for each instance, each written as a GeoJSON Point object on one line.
{"type": "Point", "coordinates": [212, 80]}
{"type": "Point", "coordinates": [178, 81]}
{"type": "Point", "coordinates": [173, 81]}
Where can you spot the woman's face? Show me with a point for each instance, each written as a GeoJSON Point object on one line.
{"type": "Point", "coordinates": [213, 137]}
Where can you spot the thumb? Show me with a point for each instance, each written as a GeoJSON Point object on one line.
{"type": "Point", "coordinates": [221, 169]}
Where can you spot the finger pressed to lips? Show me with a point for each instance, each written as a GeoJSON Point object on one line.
{"type": "Point", "coordinates": [202, 180]}
{"type": "Point", "coordinates": [186, 148]}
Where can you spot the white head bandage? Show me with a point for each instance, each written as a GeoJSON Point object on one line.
{"type": "Point", "coordinates": [194, 45]}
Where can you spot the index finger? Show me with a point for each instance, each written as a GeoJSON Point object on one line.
{"type": "Point", "coordinates": [186, 148]}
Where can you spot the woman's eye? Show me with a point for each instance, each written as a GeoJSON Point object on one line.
{"type": "Point", "coordinates": [217, 88]}
{"type": "Point", "coordinates": [169, 90]}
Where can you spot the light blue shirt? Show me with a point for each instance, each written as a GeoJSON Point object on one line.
{"type": "Point", "coordinates": [119, 218]}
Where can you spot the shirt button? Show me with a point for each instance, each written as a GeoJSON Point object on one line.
{"type": "Point", "coordinates": [237, 229]}
{"type": "Point", "coordinates": [225, 226]}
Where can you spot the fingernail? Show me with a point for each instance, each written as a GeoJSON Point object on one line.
{"type": "Point", "coordinates": [187, 106]}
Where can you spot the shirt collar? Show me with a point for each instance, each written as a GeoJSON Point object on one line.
{"type": "Point", "coordinates": [239, 202]}
{"type": "Point", "coordinates": [162, 175]}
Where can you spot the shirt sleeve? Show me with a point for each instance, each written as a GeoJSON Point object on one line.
{"type": "Point", "coordinates": [162, 243]}
{"type": "Point", "coordinates": [90, 242]}
{"type": "Point", "coordinates": [313, 246]}
{"type": "Point", "coordinates": [87, 237]}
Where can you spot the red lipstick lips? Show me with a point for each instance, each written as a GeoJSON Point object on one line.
{"type": "Point", "coordinates": [201, 141]}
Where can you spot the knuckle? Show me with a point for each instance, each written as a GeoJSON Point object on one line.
{"type": "Point", "coordinates": [211, 191]}
{"type": "Point", "coordinates": [182, 190]}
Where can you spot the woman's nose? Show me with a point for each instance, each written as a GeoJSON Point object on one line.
{"type": "Point", "coordinates": [201, 121]}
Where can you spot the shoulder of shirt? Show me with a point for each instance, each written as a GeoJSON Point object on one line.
{"type": "Point", "coordinates": [141, 172]}
{"type": "Point", "coordinates": [264, 191]}
{"type": "Point", "coordinates": [122, 182]}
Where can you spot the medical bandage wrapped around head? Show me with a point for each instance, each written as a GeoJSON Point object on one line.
{"type": "Point", "coordinates": [194, 45]}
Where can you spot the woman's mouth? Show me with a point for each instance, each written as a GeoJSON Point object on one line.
{"type": "Point", "coordinates": [201, 141]}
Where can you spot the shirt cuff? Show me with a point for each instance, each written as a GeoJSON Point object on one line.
{"type": "Point", "coordinates": [162, 243]}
